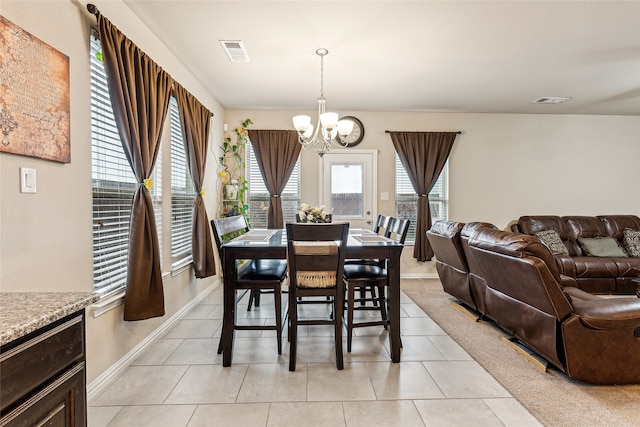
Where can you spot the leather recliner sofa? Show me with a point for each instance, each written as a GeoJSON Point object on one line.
{"type": "Point", "coordinates": [590, 338]}
{"type": "Point", "coordinates": [592, 273]}
{"type": "Point", "coordinates": [458, 274]}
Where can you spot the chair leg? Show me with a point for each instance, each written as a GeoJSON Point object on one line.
{"type": "Point", "coordinates": [293, 330]}
{"type": "Point", "coordinates": [383, 304]}
{"type": "Point", "coordinates": [337, 303]}
{"type": "Point", "coordinates": [277, 301]}
{"type": "Point", "coordinates": [256, 301]}
{"type": "Point", "coordinates": [350, 310]}
{"type": "Point", "coordinates": [252, 294]}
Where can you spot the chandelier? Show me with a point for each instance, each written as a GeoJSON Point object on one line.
{"type": "Point", "coordinates": [329, 129]}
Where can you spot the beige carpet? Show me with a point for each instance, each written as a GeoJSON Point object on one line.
{"type": "Point", "coordinates": [552, 397]}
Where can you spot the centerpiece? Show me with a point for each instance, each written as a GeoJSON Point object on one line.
{"type": "Point", "coordinates": [313, 214]}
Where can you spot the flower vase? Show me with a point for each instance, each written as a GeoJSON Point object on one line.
{"type": "Point", "coordinates": [231, 191]}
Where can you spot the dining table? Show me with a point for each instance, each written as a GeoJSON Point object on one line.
{"type": "Point", "coordinates": [272, 244]}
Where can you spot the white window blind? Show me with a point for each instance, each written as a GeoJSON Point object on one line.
{"type": "Point", "coordinates": [182, 194]}
{"type": "Point", "coordinates": [407, 199]}
{"type": "Point", "coordinates": [113, 186]}
{"type": "Point", "coordinates": [258, 195]}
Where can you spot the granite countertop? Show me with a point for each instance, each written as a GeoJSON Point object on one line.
{"type": "Point", "coordinates": [23, 312]}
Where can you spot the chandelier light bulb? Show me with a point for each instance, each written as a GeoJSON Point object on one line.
{"type": "Point", "coordinates": [329, 120]}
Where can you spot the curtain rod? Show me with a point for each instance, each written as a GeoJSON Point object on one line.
{"type": "Point", "coordinates": [389, 131]}
{"type": "Point", "coordinates": [93, 9]}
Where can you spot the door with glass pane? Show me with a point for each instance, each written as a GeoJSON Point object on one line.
{"type": "Point", "coordinates": [348, 186]}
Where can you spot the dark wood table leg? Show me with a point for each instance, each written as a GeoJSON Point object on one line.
{"type": "Point", "coordinates": [229, 315]}
{"type": "Point", "coordinates": [394, 303]}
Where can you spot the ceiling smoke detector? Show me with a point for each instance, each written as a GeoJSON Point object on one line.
{"type": "Point", "coordinates": [235, 50]}
{"type": "Point", "coordinates": [551, 100]}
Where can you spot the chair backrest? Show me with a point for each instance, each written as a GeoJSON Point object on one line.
{"type": "Point", "coordinates": [230, 226]}
{"type": "Point", "coordinates": [315, 253]}
{"type": "Point", "coordinates": [398, 229]}
{"type": "Point", "coordinates": [382, 222]}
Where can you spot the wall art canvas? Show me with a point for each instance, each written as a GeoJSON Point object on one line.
{"type": "Point", "coordinates": [34, 96]}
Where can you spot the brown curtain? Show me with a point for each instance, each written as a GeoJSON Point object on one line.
{"type": "Point", "coordinates": [139, 91]}
{"type": "Point", "coordinates": [276, 153]}
{"type": "Point", "coordinates": [195, 123]}
{"type": "Point", "coordinates": [423, 155]}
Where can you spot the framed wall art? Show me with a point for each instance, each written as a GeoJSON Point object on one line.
{"type": "Point", "coordinates": [34, 96]}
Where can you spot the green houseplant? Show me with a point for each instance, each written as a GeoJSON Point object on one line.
{"type": "Point", "coordinates": [233, 185]}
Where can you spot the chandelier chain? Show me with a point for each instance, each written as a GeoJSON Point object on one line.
{"type": "Point", "coordinates": [322, 76]}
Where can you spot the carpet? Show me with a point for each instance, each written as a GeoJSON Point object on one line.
{"type": "Point", "coordinates": [552, 397]}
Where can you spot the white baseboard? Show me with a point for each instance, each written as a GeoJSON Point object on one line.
{"type": "Point", "coordinates": [103, 381]}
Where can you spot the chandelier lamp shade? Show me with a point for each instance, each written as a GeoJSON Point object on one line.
{"type": "Point", "coordinates": [329, 129]}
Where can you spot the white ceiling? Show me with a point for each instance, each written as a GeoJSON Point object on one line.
{"type": "Point", "coordinates": [428, 56]}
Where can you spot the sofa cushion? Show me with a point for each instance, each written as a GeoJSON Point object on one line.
{"type": "Point", "coordinates": [551, 239]}
{"type": "Point", "coordinates": [605, 247]}
{"type": "Point", "coordinates": [631, 239]}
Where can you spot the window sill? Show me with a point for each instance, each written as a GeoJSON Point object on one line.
{"type": "Point", "coordinates": [108, 303]}
{"type": "Point", "coordinates": [181, 267]}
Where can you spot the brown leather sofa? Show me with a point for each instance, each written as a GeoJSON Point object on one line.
{"type": "Point", "coordinates": [592, 274]}
{"type": "Point", "coordinates": [458, 275]}
{"type": "Point", "coordinates": [590, 338]}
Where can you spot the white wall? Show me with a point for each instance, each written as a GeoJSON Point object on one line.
{"type": "Point", "coordinates": [45, 238]}
{"type": "Point", "coordinates": [502, 166]}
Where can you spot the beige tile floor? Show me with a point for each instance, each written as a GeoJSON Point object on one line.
{"type": "Point", "coordinates": [179, 380]}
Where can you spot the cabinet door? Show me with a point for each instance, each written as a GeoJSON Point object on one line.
{"type": "Point", "coordinates": [61, 403]}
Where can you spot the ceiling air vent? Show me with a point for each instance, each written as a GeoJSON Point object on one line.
{"type": "Point", "coordinates": [551, 100]}
{"type": "Point", "coordinates": [235, 50]}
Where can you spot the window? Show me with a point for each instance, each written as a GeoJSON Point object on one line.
{"type": "Point", "coordinates": [113, 187]}
{"type": "Point", "coordinates": [258, 195]}
{"type": "Point", "coordinates": [182, 194]}
{"type": "Point", "coordinates": [407, 199]}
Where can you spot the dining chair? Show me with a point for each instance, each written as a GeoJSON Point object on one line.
{"type": "Point", "coordinates": [255, 275]}
{"type": "Point", "coordinates": [380, 227]}
{"type": "Point", "coordinates": [359, 276]}
{"type": "Point", "coordinates": [315, 253]}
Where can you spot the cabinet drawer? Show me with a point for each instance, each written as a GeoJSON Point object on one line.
{"type": "Point", "coordinates": [34, 362]}
{"type": "Point", "coordinates": [62, 403]}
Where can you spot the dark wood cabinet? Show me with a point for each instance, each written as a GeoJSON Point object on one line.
{"type": "Point", "coordinates": [43, 376]}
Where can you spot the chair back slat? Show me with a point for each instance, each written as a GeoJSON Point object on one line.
{"type": "Point", "coordinates": [382, 222]}
{"type": "Point", "coordinates": [225, 226]}
{"type": "Point", "coordinates": [398, 229]}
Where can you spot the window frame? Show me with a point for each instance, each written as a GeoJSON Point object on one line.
{"type": "Point", "coordinates": [183, 195]}
{"type": "Point", "coordinates": [406, 203]}
{"type": "Point", "coordinates": [258, 196]}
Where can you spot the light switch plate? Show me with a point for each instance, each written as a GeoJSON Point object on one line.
{"type": "Point", "coordinates": [384, 196]}
{"type": "Point", "coordinates": [27, 180]}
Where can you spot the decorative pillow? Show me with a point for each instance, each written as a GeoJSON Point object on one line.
{"type": "Point", "coordinates": [601, 247]}
{"type": "Point", "coordinates": [551, 239]}
{"type": "Point", "coordinates": [631, 240]}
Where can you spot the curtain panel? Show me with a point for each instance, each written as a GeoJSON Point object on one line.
{"type": "Point", "coordinates": [195, 121]}
{"type": "Point", "coordinates": [276, 153]}
{"type": "Point", "coordinates": [423, 155]}
{"type": "Point", "coordinates": [139, 91]}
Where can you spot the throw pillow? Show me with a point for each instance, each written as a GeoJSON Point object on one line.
{"type": "Point", "coordinates": [631, 240]}
{"type": "Point", "coordinates": [601, 247]}
{"type": "Point", "coordinates": [551, 239]}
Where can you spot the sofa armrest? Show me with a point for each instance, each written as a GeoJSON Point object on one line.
{"type": "Point", "coordinates": [566, 265]}
{"type": "Point", "coordinates": [568, 282]}
{"type": "Point", "coordinates": [609, 313]}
